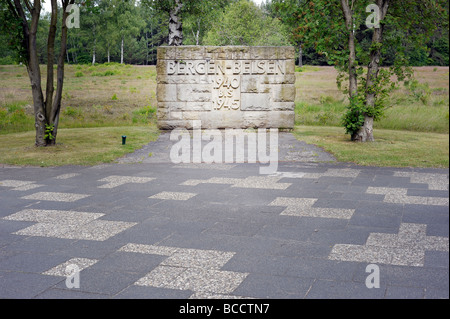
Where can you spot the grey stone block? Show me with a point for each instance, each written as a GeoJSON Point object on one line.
{"type": "Point", "coordinates": [228, 82]}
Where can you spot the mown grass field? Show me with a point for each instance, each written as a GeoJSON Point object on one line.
{"type": "Point", "coordinates": [93, 96]}
{"type": "Point", "coordinates": [76, 146]}
{"type": "Point", "coordinates": [111, 99]}
{"type": "Point", "coordinates": [424, 108]}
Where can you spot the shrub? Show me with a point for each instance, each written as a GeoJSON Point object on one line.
{"type": "Point", "coordinates": [72, 112]}
{"type": "Point", "coordinates": [14, 116]}
{"type": "Point", "coordinates": [7, 60]}
{"type": "Point", "coordinates": [419, 91]}
{"type": "Point", "coordinates": [105, 73]}
{"type": "Point", "coordinates": [144, 114]}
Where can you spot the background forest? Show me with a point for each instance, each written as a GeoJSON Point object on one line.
{"type": "Point", "coordinates": [130, 31]}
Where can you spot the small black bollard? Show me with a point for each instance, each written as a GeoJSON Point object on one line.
{"type": "Point", "coordinates": [124, 140]}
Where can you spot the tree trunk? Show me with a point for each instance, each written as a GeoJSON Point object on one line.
{"type": "Point", "coordinates": [50, 89]}
{"type": "Point", "coordinates": [94, 46]}
{"type": "Point", "coordinates": [34, 71]}
{"type": "Point", "coordinates": [74, 53]}
{"type": "Point", "coordinates": [93, 53]}
{"type": "Point", "coordinates": [175, 25]}
{"type": "Point", "coordinates": [365, 133]}
{"type": "Point", "coordinates": [46, 109]}
{"type": "Point", "coordinates": [146, 52]}
{"type": "Point", "coordinates": [353, 81]}
{"type": "Point", "coordinates": [53, 120]}
{"type": "Point", "coordinates": [121, 52]}
{"type": "Point", "coordinates": [300, 55]}
{"type": "Point", "coordinates": [109, 59]}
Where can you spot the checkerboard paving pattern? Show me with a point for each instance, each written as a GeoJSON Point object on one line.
{"type": "Point", "coordinates": [173, 195]}
{"type": "Point", "coordinates": [189, 269]}
{"type": "Point", "coordinates": [115, 181]}
{"type": "Point", "coordinates": [19, 185]}
{"type": "Point", "coordinates": [335, 172]}
{"type": "Point", "coordinates": [304, 207]}
{"type": "Point", "coordinates": [399, 196]}
{"type": "Point", "coordinates": [62, 270]}
{"type": "Point", "coordinates": [56, 197]}
{"type": "Point", "coordinates": [67, 176]}
{"type": "Point", "coordinates": [434, 181]}
{"type": "Point", "coordinates": [68, 224]}
{"type": "Point", "coordinates": [227, 269]}
{"type": "Point", "coordinates": [407, 248]}
{"type": "Point", "coordinates": [260, 182]}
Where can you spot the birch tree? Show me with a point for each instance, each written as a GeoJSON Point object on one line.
{"type": "Point", "coordinates": [340, 29]}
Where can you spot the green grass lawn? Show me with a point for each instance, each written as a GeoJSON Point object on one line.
{"type": "Point", "coordinates": [392, 148]}
{"type": "Point", "coordinates": [103, 102]}
{"type": "Point", "coordinates": [77, 146]}
{"type": "Point", "coordinates": [424, 109]}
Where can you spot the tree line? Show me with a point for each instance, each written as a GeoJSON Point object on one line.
{"type": "Point", "coordinates": [129, 31]}
{"type": "Point", "coordinates": [372, 52]}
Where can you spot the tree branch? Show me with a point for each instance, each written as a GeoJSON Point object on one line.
{"type": "Point", "coordinates": [12, 8]}
{"type": "Point", "coordinates": [28, 4]}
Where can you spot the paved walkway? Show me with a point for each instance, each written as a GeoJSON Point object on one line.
{"type": "Point", "coordinates": [153, 229]}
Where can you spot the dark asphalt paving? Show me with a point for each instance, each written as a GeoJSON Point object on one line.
{"type": "Point", "coordinates": [147, 228]}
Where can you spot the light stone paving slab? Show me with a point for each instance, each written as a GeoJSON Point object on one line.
{"type": "Point", "coordinates": [303, 207]}
{"type": "Point", "coordinates": [257, 182]}
{"type": "Point", "coordinates": [160, 277]}
{"type": "Point", "coordinates": [332, 172]}
{"type": "Point", "coordinates": [335, 172]}
{"type": "Point", "coordinates": [98, 230]}
{"type": "Point", "coordinates": [61, 270]}
{"type": "Point", "coordinates": [208, 295]}
{"type": "Point", "coordinates": [67, 176]}
{"type": "Point", "coordinates": [213, 166]}
{"type": "Point", "coordinates": [149, 249]}
{"type": "Point", "coordinates": [434, 181]}
{"type": "Point", "coordinates": [208, 280]}
{"type": "Point", "coordinates": [173, 195]}
{"type": "Point", "coordinates": [288, 174]}
{"type": "Point", "coordinates": [47, 230]}
{"type": "Point", "coordinates": [19, 185]}
{"type": "Point", "coordinates": [68, 225]}
{"type": "Point", "coordinates": [195, 258]}
{"type": "Point", "coordinates": [14, 183]}
{"type": "Point", "coordinates": [189, 269]}
{"type": "Point", "coordinates": [27, 187]}
{"type": "Point", "coordinates": [407, 248]}
{"type": "Point", "coordinates": [115, 181]}
{"type": "Point", "coordinates": [56, 197]}
{"type": "Point", "coordinates": [399, 196]}
{"type": "Point", "coordinates": [54, 216]}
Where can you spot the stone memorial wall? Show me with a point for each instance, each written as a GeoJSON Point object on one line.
{"type": "Point", "coordinates": [226, 87]}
